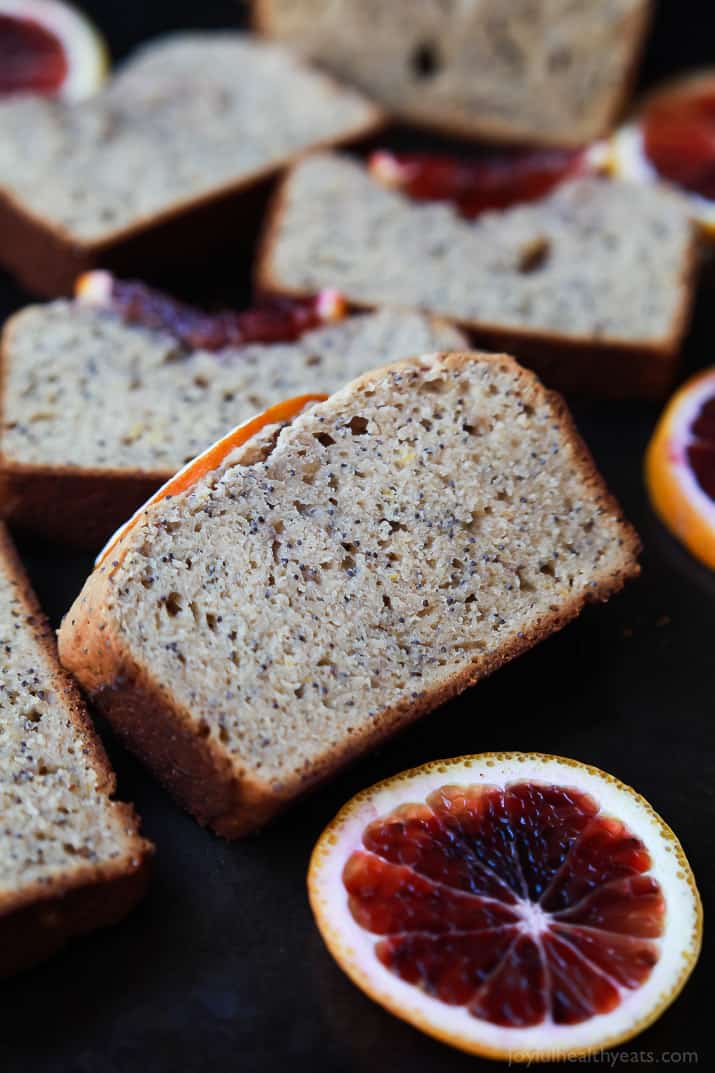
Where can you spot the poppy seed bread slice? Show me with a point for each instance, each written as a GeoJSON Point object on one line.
{"type": "Point", "coordinates": [187, 123]}
{"type": "Point", "coordinates": [386, 549]}
{"type": "Point", "coordinates": [542, 71]}
{"type": "Point", "coordinates": [71, 858]}
{"type": "Point", "coordinates": [96, 413]}
{"type": "Point", "coordinates": [592, 286]}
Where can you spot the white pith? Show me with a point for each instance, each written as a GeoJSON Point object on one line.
{"type": "Point", "coordinates": [83, 48]}
{"type": "Point", "coordinates": [534, 920]}
{"type": "Point", "coordinates": [629, 161]}
{"type": "Point", "coordinates": [679, 939]}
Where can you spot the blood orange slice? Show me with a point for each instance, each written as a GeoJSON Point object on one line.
{"type": "Point", "coordinates": [476, 186]}
{"type": "Point", "coordinates": [680, 466]}
{"type": "Point", "coordinates": [50, 48]}
{"type": "Point", "coordinates": [517, 906]}
{"type": "Point", "coordinates": [280, 321]}
{"type": "Point", "coordinates": [672, 138]}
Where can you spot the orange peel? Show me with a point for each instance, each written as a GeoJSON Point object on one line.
{"type": "Point", "coordinates": [675, 491]}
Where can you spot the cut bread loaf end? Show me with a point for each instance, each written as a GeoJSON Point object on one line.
{"type": "Point", "coordinates": [96, 413]}
{"type": "Point", "coordinates": [591, 286]}
{"type": "Point", "coordinates": [548, 72]}
{"type": "Point", "coordinates": [373, 558]}
{"type": "Point", "coordinates": [72, 858]}
{"type": "Point", "coordinates": [173, 155]}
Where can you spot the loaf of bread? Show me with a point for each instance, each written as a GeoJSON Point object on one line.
{"type": "Point", "coordinates": [186, 124]}
{"type": "Point", "coordinates": [543, 71]}
{"type": "Point", "coordinates": [96, 413]}
{"type": "Point", "coordinates": [320, 589]}
{"type": "Point", "coordinates": [72, 858]}
{"type": "Point", "coordinates": [592, 285]}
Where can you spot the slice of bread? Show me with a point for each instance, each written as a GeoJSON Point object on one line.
{"type": "Point", "coordinates": [592, 286]}
{"type": "Point", "coordinates": [96, 413]}
{"type": "Point", "coordinates": [188, 123]}
{"type": "Point", "coordinates": [386, 549]}
{"type": "Point", "coordinates": [540, 71]}
{"type": "Point", "coordinates": [71, 857]}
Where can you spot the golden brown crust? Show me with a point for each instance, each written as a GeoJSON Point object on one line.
{"type": "Point", "coordinates": [636, 28]}
{"type": "Point", "coordinates": [46, 260]}
{"type": "Point", "coordinates": [197, 772]}
{"type": "Point", "coordinates": [41, 917]}
{"type": "Point", "coordinates": [194, 767]}
{"type": "Point", "coordinates": [603, 368]}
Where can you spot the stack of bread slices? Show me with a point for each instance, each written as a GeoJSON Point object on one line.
{"type": "Point", "coordinates": [326, 534]}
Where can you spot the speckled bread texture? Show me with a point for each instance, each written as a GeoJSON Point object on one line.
{"type": "Point", "coordinates": [72, 859]}
{"type": "Point", "coordinates": [96, 413]}
{"type": "Point", "coordinates": [187, 121]}
{"type": "Point", "coordinates": [384, 551]}
{"type": "Point", "coordinates": [592, 286]}
{"type": "Point", "coordinates": [542, 71]}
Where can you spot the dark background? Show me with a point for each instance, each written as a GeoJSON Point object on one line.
{"type": "Point", "coordinates": [221, 968]}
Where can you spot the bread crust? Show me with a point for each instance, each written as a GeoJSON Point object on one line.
{"type": "Point", "coordinates": [194, 767]}
{"type": "Point", "coordinates": [46, 259]}
{"type": "Point", "coordinates": [38, 920]}
{"type": "Point", "coordinates": [636, 28]}
{"type": "Point", "coordinates": [608, 369]}
{"type": "Point", "coordinates": [78, 508]}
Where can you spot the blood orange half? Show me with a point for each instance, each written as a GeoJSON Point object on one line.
{"type": "Point", "coordinates": [517, 906]}
{"type": "Point", "coordinates": [680, 466]}
{"type": "Point", "coordinates": [50, 48]}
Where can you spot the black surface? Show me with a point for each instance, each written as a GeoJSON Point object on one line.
{"type": "Point", "coordinates": [221, 968]}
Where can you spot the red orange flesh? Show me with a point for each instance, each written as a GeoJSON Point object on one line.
{"type": "Point", "coordinates": [32, 59]}
{"type": "Point", "coordinates": [49, 48]}
{"type": "Point", "coordinates": [280, 321]}
{"type": "Point", "coordinates": [475, 186]}
{"type": "Point", "coordinates": [680, 466]}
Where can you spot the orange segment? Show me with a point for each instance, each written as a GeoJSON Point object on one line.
{"type": "Point", "coordinates": [212, 458]}
{"type": "Point", "coordinates": [517, 906]}
{"type": "Point", "coordinates": [680, 466]}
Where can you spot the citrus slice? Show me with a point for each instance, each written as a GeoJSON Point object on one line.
{"type": "Point", "coordinates": [518, 906]}
{"type": "Point", "coordinates": [680, 466]}
{"type": "Point", "coordinates": [477, 185]}
{"type": "Point", "coordinates": [50, 48]}
{"type": "Point", "coordinates": [672, 139]}
{"type": "Point", "coordinates": [280, 321]}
